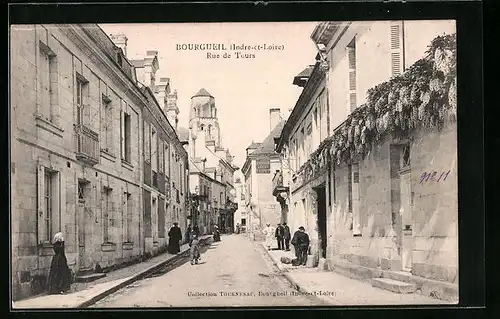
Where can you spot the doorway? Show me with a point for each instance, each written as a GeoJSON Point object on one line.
{"type": "Point", "coordinates": [321, 210]}
{"type": "Point", "coordinates": [406, 209]}
{"type": "Point", "coordinates": [83, 258]}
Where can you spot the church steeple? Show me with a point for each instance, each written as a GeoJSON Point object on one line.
{"type": "Point", "coordinates": [203, 121]}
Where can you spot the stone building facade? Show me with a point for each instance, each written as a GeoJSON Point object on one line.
{"type": "Point", "coordinates": [261, 165]}
{"type": "Point", "coordinates": [77, 121]}
{"type": "Point", "coordinates": [210, 161]}
{"type": "Point", "coordinates": [379, 191]}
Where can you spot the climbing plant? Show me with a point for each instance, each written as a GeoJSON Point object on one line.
{"type": "Point", "coordinates": [424, 96]}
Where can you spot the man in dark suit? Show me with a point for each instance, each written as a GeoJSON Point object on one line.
{"type": "Point", "coordinates": [279, 233]}
{"type": "Point", "coordinates": [300, 242]}
{"type": "Point", "coordinates": [286, 236]}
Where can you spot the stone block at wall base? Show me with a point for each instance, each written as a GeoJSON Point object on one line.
{"type": "Point", "coordinates": [323, 264]}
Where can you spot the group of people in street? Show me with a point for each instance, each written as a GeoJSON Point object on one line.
{"type": "Point", "coordinates": [281, 234]}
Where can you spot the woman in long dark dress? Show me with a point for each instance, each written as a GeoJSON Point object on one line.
{"type": "Point", "coordinates": [175, 236]}
{"type": "Point", "coordinates": [60, 274]}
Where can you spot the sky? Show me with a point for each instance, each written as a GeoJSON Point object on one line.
{"type": "Point", "coordinates": [244, 88]}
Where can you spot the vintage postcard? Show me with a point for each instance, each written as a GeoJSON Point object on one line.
{"type": "Point", "coordinates": [234, 164]}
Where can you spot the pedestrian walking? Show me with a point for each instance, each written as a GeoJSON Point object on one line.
{"type": "Point", "coordinates": [279, 234]}
{"type": "Point", "coordinates": [300, 242]}
{"type": "Point", "coordinates": [194, 249]}
{"type": "Point", "coordinates": [269, 233]}
{"type": "Point", "coordinates": [175, 236]}
{"type": "Point", "coordinates": [187, 236]}
{"type": "Point", "coordinates": [286, 236]}
{"type": "Point", "coordinates": [60, 276]}
{"type": "Point", "coordinates": [196, 230]}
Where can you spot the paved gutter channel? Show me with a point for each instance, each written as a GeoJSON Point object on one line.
{"type": "Point", "coordinates": [155, 271]}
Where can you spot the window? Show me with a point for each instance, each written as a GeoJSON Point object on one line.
{"type": "Point", "coordinates": [147, 145]}
{"type": "Point", "coordinates": [126, 137]}
{"type": "Point", "coordinates": [161, 150]}
{"type": "Point", "coordinates": [353, 185]}
{"type": "Point", "coordinates": [166, 158]}
{"type": "Point", "coordinates": [107, 205]}
{"type": "Point", "coordinates": [108, 125]}
{"type": "Point", "coordinates": [130, 210]}
{"type": "Point", "coordinates": [83, 108]}
{"type": "Point", "coordinates": [308, 141]}
{"type": "Point", "coordinates": [404, 162]}
{"type": "Point", "coordinates": [243, 222]}
{"type": "Point", "coordinates": [154, 212]}
{"type": "Point", "coordinates": [49, 84]}
{"type": "Point", "coordinates": [154, 151]}
{"type": "Point", "coordinates": [351, 56]}
{"type": "Point", "coordinates": [48, 204]}
{"type": "Point", "coordinates": [396, 48]}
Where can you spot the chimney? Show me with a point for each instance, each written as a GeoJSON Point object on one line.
{"type": "Point", "coordinates": [120, 40]}
{"type": "Point", "coordinates": [171, 109]}
{"type": "Point", "coordinates": [274, 117]}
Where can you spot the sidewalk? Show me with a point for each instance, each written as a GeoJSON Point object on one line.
{"type": "Point", "coordinates": [334, 289]}
{"type": "Point", "coordinates": [83, 295]}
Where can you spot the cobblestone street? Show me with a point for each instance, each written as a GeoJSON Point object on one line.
{"type": "Point", "coordinates": [234, 265]}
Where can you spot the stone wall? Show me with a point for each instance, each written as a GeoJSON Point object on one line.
{"type": "Point", "coordinates": [434, 212]}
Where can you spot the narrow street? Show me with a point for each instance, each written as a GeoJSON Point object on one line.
{"type": "Point", "coordinates": [232, 272]}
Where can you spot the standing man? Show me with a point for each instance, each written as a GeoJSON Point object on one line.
{"type": "Point", "coordinates": [269, 233]}
{"type": "Point", "coordinates": [300, 242]}
{"type": "Point", "coordinates": [286, 236]}
{"type": "Point", "coordinates": [187, 235]}
{"type": "Point", "coordinates": [280, 231]}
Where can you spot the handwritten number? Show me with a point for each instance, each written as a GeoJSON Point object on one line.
{"type": "Point", "coordinates": [440, 176]}
{"type": "Point", "coordinates": [446, 175]}
{"type": "Point", "coordinates": [424, 174]}
{"type": "Point", "coordinates": [433, 174]}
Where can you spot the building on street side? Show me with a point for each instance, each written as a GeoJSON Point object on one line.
{"type": "Point", "coordinates": [77, 152]}
{"type": "Point", "coordinates": [211, 166]}
{"type": "Point", "coordinates": [240, 216]}
{"type": "Point", "coordinates": [261, 164]}
{"type": "Point", "coordinates": [379, 191]}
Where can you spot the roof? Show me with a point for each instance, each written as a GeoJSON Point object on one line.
{"type": "Point", "coordinates": [253, 146]}
{"type": "Point", "coordinates": [267, 147]}
{"type": "Point", "coordinates": [202, 92]}
{"type": "Point", "coordinates": [137, 63]}
{"type": "Point", "coordinates": [302, 77]}
{"type": "Point", "coordinates": [183, 134]}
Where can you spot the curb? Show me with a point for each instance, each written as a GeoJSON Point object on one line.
{"type": "Point", "coordinates": [293, 282]}
{"type": "Point", "coordinates": [136, 277]}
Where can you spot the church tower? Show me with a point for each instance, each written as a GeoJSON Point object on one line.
{"type": "Point", "coordinates": [203, 123]}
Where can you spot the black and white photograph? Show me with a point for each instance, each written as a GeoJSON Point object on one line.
{"type": "Point", "coordinates": [234, 164]}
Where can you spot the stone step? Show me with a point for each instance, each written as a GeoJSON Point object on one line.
{"type": "Point", "coordinates": [394, 285]}
{"type": "Point", "coordinates": [84, 271]}
{"type": "Point", "coordinates": [403, 276]}
{"type": "Point", "coordinates": [89, 277]}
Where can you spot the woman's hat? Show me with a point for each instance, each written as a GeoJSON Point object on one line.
{"type": "Point", "coordinates": [58, 237]}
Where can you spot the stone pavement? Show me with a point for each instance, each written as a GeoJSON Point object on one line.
{"type": "Point", "coordinates": [82, 295]}
{"type": "Point", "coordinates": [336, 289]}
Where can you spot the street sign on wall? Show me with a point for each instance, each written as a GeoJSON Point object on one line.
{"type": "Point", "coordinates": [263, 166]}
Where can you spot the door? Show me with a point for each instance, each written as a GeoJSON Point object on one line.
{"type": "Point", "coordinates": [82, 223]}
{"type": "Point", "coordinates": [406, 220]}
{"type": "Point", "coordinates": [321, 207]}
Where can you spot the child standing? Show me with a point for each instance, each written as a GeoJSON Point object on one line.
{"type": "Point", "coordinates": [195, 249]}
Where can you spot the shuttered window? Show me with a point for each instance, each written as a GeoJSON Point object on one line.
{"type": "Point", "coordinates": [396, 48]}
{"type": "Point", "coordinates": [351, 56]}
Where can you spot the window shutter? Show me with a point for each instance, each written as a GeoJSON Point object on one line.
{"type": "Point", "coordinates": [395, 34]}
{"type": "Point", "coordinates": [40, 203]}
{"type": "Point", "coordinates": [396, 63]}
{"type": "Point", "coordinates": [352, 80]}
{"type": "Point", "coordinates": [122, 134]}
{"type": "Point", "coordinates": [352, 58]}
{"type": "Point", "coordinates": [352, 100]}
